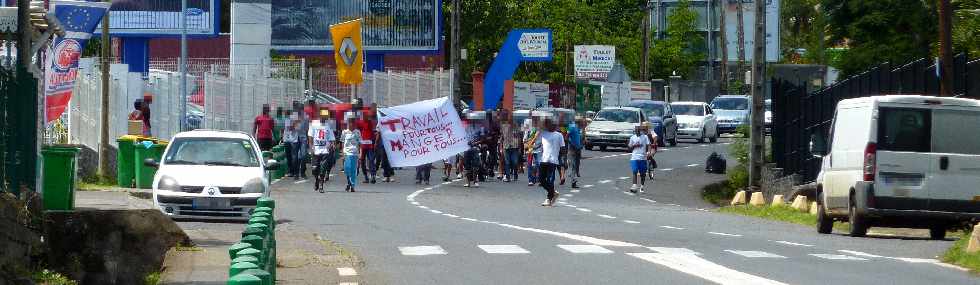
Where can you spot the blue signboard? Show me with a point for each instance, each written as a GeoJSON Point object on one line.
{"type": "Point", "coordinates": [161, 18]}
{"type": "Point", "coordinates": [521, 45]}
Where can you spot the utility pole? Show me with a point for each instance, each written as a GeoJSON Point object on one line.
{"type": "Point", "coordinates": [740, 14]}
{"type": "Point", "coordinates": [757, 147]}
{"type": "Point", "coordinates": [183, 65]}
{"type": "Point", "coordinates": [723, 4]}
{"type": "Point", "coordinates": [709, 73]}
{"type": "Point", "coordinates": [945, 49]}
{"type": "Point", "coordinates": [104, 126]}
{"type": "Point", "coordinates": [24, 30]}
{"type": "Point", "coordinates": [646, 42]}
{"type": "Point", "coordinates": [455, 53]}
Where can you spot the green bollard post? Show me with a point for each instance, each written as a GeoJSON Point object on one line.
{"type": "Point", "coordinates": [234, 249]}
{"type": "Point", "coordinates": [250, 230]}
{"type": "Point", "coordinates": [266, 202]}
{"type": "Point", "coordinates": [244, 279]}
{"type": "Point", "coordinates": [261, 220]}
{"type": "Point", "coordinates": [250, 251]}
{"type": "Point", "coordinates": [261, 274]}
{"type": "Point", "coordinates": [245, 258]}
{"type": "Point", "coordinates": [237, 268]}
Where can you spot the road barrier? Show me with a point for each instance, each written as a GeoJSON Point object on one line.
{"type": "Point", "coordinates": [800, 203]}
{"type": "Point", "coordinates": [973, 246]}
{"type": "Point", "coordinates": [253, 259]}
{"type": "Point", "coordinates": [739, 198]}
{"type": "Point", "coordinates": [757, 199]}
{"type": "Point", "coordinates": [813, 208]}
{"type": "Point", "coordinates": [777, 200]}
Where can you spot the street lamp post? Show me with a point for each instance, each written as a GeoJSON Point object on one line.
{"type": "Point", "coordinates": [183, 64]}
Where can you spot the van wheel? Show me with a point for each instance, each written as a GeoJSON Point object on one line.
{"type": "Point", "coordinates": [859, 224]}
{"type": "Point", "coordinates": [825, 224]}
{"type": "Point", "coordinates": [937, 232]}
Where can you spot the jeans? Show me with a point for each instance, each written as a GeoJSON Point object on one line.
{"type": "Point", "coordinates": [290, 159]}
{"type": "Point", "coordinates": [321, 164]}
{"type": "Point", "coordinates": [490, 163]}
{"type": "Point", "coordinates": [472, 163]}
{"type": "Point", "coordinates": [548, 178]}
{"type": "Point", "coordinates": [510, 162]}
{"type": "Point", "coordinates": [367, 165]}
{"type": "Point", "coordinates": [350, 169]}
{"type": "Point", "coordinates": [532, 168]}
{"type": "Point", "coordinates": [296, 165]}
{"type": "Point", "coordinates": [575, 160]}
{"type": "Point", "coordinates": [300, 150]}
{"type": "Point", "coordinates": [422, 172]}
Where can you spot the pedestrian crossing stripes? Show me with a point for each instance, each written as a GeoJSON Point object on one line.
{"type": "Point", "coordinates": [584, 248]}
{"type": "Point", "coordinates": [346, 271]}
{"type": "Point", "coordinates": [838, 257]}
{"type": "Point", "coordinates": [421, 250]}
{"type": "Point", "coordinates": [503, 249]}
{"type": "Point", "coordinates": [755, 254]}
{"type": "Point", "coordinates": [724, 234]}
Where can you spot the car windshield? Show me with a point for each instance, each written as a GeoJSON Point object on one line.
{"type": "Point", "coordinates": [689, 110]}
{"type": "Point", "coordinates": [652, 109]}
{"type": "Point", "coordinates": [211, 151]}
{"type": "Point", "coordinates": [617, 115]}
{"type": "Point", "coordinates": [730, 104]}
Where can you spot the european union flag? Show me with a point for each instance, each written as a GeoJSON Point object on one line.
{"type": "Point", "coordinates": [79, 18]}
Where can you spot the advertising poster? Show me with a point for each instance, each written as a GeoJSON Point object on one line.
{"type": "Point", "coordinates": [594, 61]}
{"type": "Point", "coordinates": [79, 19]}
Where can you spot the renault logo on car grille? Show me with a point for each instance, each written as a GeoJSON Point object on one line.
{"type": "Point", "coordinates": [211, 190]}
{"type": "Point", "coordinates": [348, 51]}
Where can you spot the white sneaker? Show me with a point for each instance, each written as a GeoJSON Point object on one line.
{"type": "Point", "coordinates": [633, 187]}
{"type": "Point", "coordinates": [466, 185]}
{"type": "Point", "coordinates": [640, 189]}
{"type": "Point", "coordinates": [506, 179]}
{"type": "Point", "coordinates": [477, 184]}
{"type": "Point", "coordinates": [547, 202]}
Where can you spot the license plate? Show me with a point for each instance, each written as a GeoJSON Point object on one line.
{"type": "Point", "coordinates": [211, 203]}
{"type": "Point", "coordinates": [609, 137]}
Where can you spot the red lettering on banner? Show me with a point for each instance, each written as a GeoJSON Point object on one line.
{"type": "Point", "coordinates": [396, 145]}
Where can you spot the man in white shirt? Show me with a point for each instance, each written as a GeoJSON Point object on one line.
{"type": "Point", "coordinates": [551, 143]}
{"type": "Point", "coordinates": [639, 145]}
{"type": "Point", "coordinates": [321, 140]}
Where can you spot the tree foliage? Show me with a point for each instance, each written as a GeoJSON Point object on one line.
{"type": "Point", "coordinates": [966, 27]}
{"type": "Point", "coordinates": [681, 50]}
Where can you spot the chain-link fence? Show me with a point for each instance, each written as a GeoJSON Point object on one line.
{"type": "Point", "coordinates": [388, 88]}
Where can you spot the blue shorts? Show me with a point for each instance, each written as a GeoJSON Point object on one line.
{"type": "Point", "coordinates": [638, 166]}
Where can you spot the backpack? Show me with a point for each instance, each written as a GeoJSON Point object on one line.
{"type": "Point", "coordinates": [715, 164]}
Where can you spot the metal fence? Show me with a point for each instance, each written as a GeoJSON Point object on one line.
{"type": "Point", "coordinates": [387, 88]}
{"type": "Point", "coordinates": [799, 113]}
{"type": "Point", "coordinates": [232, 104]}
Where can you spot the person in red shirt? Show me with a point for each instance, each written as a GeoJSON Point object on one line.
{"type": "Point", "coordinates": [262, 128]}
{"type": "Point", "coordinates": [366, 125]}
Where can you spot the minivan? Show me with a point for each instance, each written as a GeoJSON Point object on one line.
{"type": "Point", "coordinates": [732, 111]}
{"type": "Point", "coordinates": [900, 161]}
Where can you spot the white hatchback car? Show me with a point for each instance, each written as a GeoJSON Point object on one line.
{"type": "Point", "coordinates": [695, 120]}
{"type": "Point", "coordinates": [210, 174]}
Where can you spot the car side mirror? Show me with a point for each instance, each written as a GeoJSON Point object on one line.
{"type": "Point", "coordinates": [271, 164]}
{"type": "Point", "coordinates": [818, 148]}
{"type": "Point", "coordinates": [151, 163]}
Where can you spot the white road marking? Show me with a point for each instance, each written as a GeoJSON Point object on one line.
{"type": "Point", "coordinates": [648, 200]}
{"type": "Point", "coordinates": [581, 238]}
{"type": "Point", "coordinates": [584, 248]}
{"type": "Point", "coordinates": [861, 254]}
{"type": "Point", "coordinates": [584, 210]}
{"type": "Point", "coordinates": [563, 199]}
{"type": "Point", "coordinates": [562, 202]}
{"type": "Point", "coordinates": [667, 169]}
{"type": "Point", "coordinates": [915, 260]}
{"type": "Point", "coordinates": [424, 207]}
{"type": "Point", "coordinates": [411, 197]}
{"type": "Point", "coordinates": [628, 193]}
{"type": "Point", "coordinates": [450, 215]}
{"type": "Point", "coordinates": [693, 165]}
{"type": "Point", "coordinates": [755, 254]}
{"type": "Point", "coordinates": [300, 182]}
{"type": "Point", "coordinates": [604, 181]}
{"type": "Point", "coordinates": [674, 250]}
{"type": "Point", "coordinates": [574, 191]}
{"type": "Point", "coordinates": [724, 234]}
{"type": "Point", "coordinates": [435, 211]}
{"type": "Point", "coordinates": [347, 283]}
{"type": "Point", "coordinates": [623, 178]}
{"type": "Point", "coordinates": [469, 219]}
{"type": "Point", "coordinates": [837, 257]}
{"type": "Point", "coordinates": [446, 183]}
{"type": "Point", "coordinates": [630, 222]}
{"type": "Point", "coordinates": [415, 203]}
{"type": "Point", "coordinates": [422, 250]}
{"type": "Point", "coordinates": [607, 216]}
{"type": "Point", "coordinates": [503, 249]}
{"type": "Point", "coordinates": [567, 195]}
{"type": "Point", "coordinates": [346, 271]}
{"type": "Point", "coordinates": [588, 186]}
{"type": "Point", "coordinates": [793, 243]}
{"type": "Point", "coordinates": [673, 228]}
{"type": "Point", "coordinates": [428, 188]}
{"type": "Point", "coordinates": [571, 206]}
{"type": "Point", "coordinates": [707, 270]}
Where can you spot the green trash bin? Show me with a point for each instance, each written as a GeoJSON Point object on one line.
{"type": "Point", "coordinates": [279, 154]}
{"type": "Point", "coordinates": [58, 179]}
{"type": "Point", "coordinates": [125, 161]}
{"type": "Point", "coordinates": [144, 174]}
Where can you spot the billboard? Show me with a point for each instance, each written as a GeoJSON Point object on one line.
{"type": "Point", "coordinates": [594, 62]}
{"type": "Point", "coordinates": [530, 95]}
{"type": "Point", "coordinates": [389, 25]}
{"type": "Point", "coordinates": [147, 18]}
{"type": "Point", "coordinates": [748, 16]}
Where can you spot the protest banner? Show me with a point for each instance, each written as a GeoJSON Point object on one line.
{"type": "Point", "coordinates": [421, 132]}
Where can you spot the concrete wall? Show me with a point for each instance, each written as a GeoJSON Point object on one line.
{"type": "Point", "coordinates": [18, 241]}
{"type": "Point", "coordinates": [251, 33]}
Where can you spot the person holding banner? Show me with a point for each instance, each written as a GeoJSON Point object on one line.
{"type": "Point", "coordinates": [321, 141]}
{"type": "Point", "coordinates": [351, 139]}
{"type": "Point", "coordinates": [366, 126]}
{"type": "Point", "coordinates": [472, 164]}
{"type": "Point", "coordinates": [551, 142]}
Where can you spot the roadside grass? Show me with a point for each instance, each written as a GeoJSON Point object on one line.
{"type": "Point", "coordinates": [152, 279]}
{"type": "Point", "coordinates": [779, 213]}
{"type": "Point", "coordinates": [957, 255]}
{"type": "Point", "coordinates": [96, 183]}
{"type": "Point", "coordinates": [718, 193]}
{"type": "Point", "coordinates": [48, 277]}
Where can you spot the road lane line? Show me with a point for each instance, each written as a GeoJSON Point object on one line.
{"type": "Point", "coordinates": [574, 191]}
{"type": "Point", "coordinates": [424, 207]}
{"type": "Point", "coordinates": [503, 249]}
{"type": "Point", "coordinates": [724, 234]}
{"type": "Point", "coordinates": [584, 248]}
{"type": "Point", "coordinates": [630, 222]}
{"type": "Point", "coordinates": [837, 257]}
{"type": "Point", "coordinates": [670, 227]}
{"type": "Point", "coordinates": [861, 254]}
{"type": "Point", "coordinates": [422, 250]}
{"type": "Point", "coordinates": [588, 186]}
{"type": "Point", "coordinates": [583, 210]}
{"type": "Point", "coordinates": [604, 181]}
{"type": "Point", "coordinates": [648, 200]}
{"type": "Point", "coordinates": [673, 250]}
{"type": "Point", "coordinates": [667, 169]}
{"type": "Point", "coordinates": [793, 243]}
{"type": "Point", "coordinates": [435, 211]}
{"type": "Point", "coordinates": [628, 193]}
{"type": "Point", "coordinates": [571, 206]}
{"type": "Point", "coordinates": [704, 269]}
{"type": "Point", "coordinates": [567, 195]}
{"type": "Point", "coordinates": [450, 215]}
{"type": "Point", "coordinates": [300, 182]}
{"type": "Point", "coordinates": [607, 216]}
{"type": "Point", "coordinates": [415, 203]}
{"type": "Point", "coordinates": [623, 178]}
{"type": "Point", "coordinates": [469, 219]}
{"type": "Point", "coordinates": [563, 199]}
{"type": "Point", "coordinates": [346, 271]}
{"type": "Point", "coordinates": [755, 254]}
{"type": "Point", "coordinates": [693, 165]}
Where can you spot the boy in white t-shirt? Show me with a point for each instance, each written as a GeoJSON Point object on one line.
{"type": "Point", "coordinates": [551, 142]}
{"type": "Point", "coordinates": [321, 138]}
{"type": "Point", "coordinates": [639, 145]}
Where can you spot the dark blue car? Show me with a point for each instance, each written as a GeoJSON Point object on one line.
{"type": "Point", "coordinates": [661, 118]}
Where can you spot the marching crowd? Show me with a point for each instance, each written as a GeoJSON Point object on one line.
{"type": "Point", "coordinates": [546, 146]}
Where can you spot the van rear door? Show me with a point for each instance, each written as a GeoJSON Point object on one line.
{"type": "Point", "coordinates": [902, 170]}
{"type": "Point", "coordinates": [955, 160]}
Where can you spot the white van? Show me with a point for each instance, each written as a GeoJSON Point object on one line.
{"type": "Point", "coordinates": [900, 161]}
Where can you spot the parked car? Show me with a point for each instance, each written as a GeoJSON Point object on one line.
{"type": "Point", "coordinates": [612, 126]}
{"type": "Point", "coordinates": [768, 117]}
{"type": "Point", "coordinates": [210, 174]}
{"type": "Point", "coordinates": [899, 161]}
{"type": "Point", "coordinates": [661, 118]}
{"type": "Point", "coordinates": [696, 121]}
{"type": "Point", "coordinates": [732, 112]}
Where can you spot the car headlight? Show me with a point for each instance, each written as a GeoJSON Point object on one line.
{"type": "Point", "coordinates": [254, 186]}
{"type": "Point", "coordinates": [697, 124]}
{"type": "Point", "coordinates": [167, 183]}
